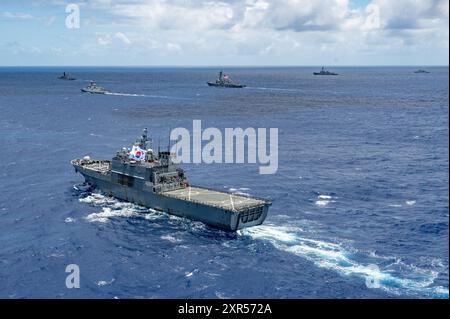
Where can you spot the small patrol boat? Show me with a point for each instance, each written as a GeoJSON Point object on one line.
{"type": "Point", "coordinates": [94, 89]}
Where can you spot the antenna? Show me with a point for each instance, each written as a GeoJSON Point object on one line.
{"type": "Point", "coordinates": [168, 149]}
{"type": "Point", "coordinates": [159, 145]}
{"type": "Point", "coordinates": [146, 135]}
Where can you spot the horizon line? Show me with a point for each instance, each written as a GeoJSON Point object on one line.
{"type": "Point", "coordinates": [217, 65]}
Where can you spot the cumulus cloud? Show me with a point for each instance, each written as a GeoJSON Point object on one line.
{"type": "Point", "coordinates": [106, 39]}
{"type": "Point", "coordinates": [295, 15]}
{"type": "Point", "coordinates": [266, 27]}
{"type": "Point", "coordinates": [280, 31]}
{"type": "Point", "coordinates": [169, 15]}
{"type": "Point", "coordinates": [412, 14]}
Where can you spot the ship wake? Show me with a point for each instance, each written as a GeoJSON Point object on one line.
{"type": "Point", "coordinates": [274, 89]}
{"type": "Point", "coordinates": [113, 208]}
{"type": "Point", "coordinates": [387, 273]}
{"type": "Point", "coordinates": [125, 94]}
{"type": "Point", "coordinates": [146, 95]}
{"type": "Point", "coordinates": [390, 274]}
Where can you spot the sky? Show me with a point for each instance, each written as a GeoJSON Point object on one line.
{"type": "Point", "coordinates": [227, 32]}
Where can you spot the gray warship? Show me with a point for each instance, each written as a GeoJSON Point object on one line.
{"type": "Point", "coordinates": [224, 80]}
{"type": "Point", "coordinates": [152, 180]}
{"type": "Point", "coordinates": [421, 71]}
{"type": "Point", "coordinates": [323, 71]}
{"type": "Point", "coordinates": [94, 89]}
{"type": "Point", "coordinates": [66, 76]}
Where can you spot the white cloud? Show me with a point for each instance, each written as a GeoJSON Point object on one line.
{"type": "Point", "coordinates": [262, 27]}
{"type": "Point", "coordinates": [122, 37]}
{"type": "Point", "coordinates": [301, 15]}
{"type": "Point", "coordinates": [16, 15]}
{"type": "Point", "coordinates": [18, 48]}
{"type": "Point", "coordinates": [280, 15]}
{"type": "Point", "coordinates": [264, 31]}
{"type": "Point", "coordinates": [103, 40]}
{"type": "Point", "coordinates": [47, 21]}
{"type": "Point", "coordinates": [167, 15]}
{"type": "Point", "coordinates": [412, 14]}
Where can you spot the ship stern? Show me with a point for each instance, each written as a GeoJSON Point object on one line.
{"type": "Point", "coordinates": [250, 217]}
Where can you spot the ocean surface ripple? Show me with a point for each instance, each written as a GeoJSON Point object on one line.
{"type": "Point", "coordinates": [360, 199]}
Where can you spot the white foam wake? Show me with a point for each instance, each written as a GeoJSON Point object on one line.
{"type": "Point", "coordinates": [324, 200]}
{"type": "Point", "coordinates": [411, 280]}
{"type": "Point", "coordinates": [274, 89]}
{"type": "Point", "coordinates": [125, 94]}
{"type": "Point", "coordinates": [113, 208]}
{"type": "Point", "coordinates": [146, 95]}
{"type": "Point", "coordinates": [239, 191]}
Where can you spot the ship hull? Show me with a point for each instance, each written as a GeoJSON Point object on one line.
{"type": "Point", "coordinates": [318, 73]}
{"type": "Point", "coordinates": [142, 194]}
{"type": "Point", "coordinates": [93, 92]}
{"type": "Point", "coordinates": [236, 86]}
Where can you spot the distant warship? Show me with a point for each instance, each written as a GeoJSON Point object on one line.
{"type": "Point", "coordinates": [140, 176]}
{"type": "Point", "coordinates": [224, 80]}
{"type": "Point", "coordinates": [323, 71]}
{"type": "Point", "coordinates": [421, 71]}
{"type": "Point", "coordinates": [94, 89]}
{"type": "Point", "coordinates": [66, 76]}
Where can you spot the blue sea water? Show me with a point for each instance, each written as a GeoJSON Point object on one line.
{"type": "Point", "coordinates": [361, 191]}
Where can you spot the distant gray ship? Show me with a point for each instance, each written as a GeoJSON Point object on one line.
{"type": "Point", "coordinates": [66, 76]}
{"type": "Point", "coordinates": [153, 180]}
{"type": "Point", "coordinates": [421, 71]}
{"type": "Point", "coordinates": [323, 71]}
{"type": "Point", "coordinates": [224, 80]}
{"type": "Point", "coordinates": [94, 89]}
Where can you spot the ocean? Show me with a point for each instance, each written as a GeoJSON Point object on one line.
{"type": "Point", "coordinates": [361, 190]}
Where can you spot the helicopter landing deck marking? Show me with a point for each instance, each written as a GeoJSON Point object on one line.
{"type": "Point", "coordinates": [214, 198]}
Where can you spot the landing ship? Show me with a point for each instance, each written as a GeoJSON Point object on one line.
{"type": "Point", "coordinates": [140, 176]}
